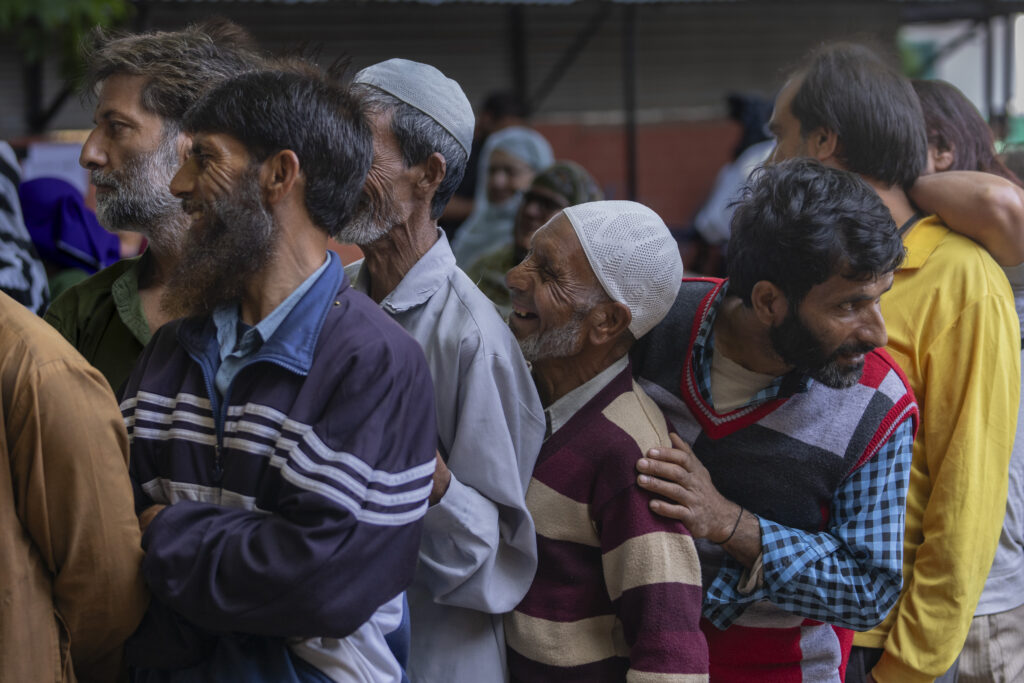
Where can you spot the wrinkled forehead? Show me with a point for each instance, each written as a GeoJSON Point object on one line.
{"type": "Point", "coordinates": [556, 241]}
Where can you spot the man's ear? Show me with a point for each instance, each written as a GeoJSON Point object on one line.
{"type": "Point", "coordinates": [608, 321]}
{"type": "Point", "coordinates": [278, 175]}
{"type": "Point", "coordinates": [822, 144]}
{"type": "Point", "coordinates": [434, 170]}
{"type": "Point", "coordinates": [183, 145]}
{"type": "Point", "coordinates": [769, 303]}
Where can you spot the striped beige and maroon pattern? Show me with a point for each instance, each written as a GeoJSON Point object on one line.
{"type": "Point", "coordinates": [617, 593]}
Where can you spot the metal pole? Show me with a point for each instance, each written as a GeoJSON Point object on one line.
{"type": "Point", "coordinates": [1009, 47]}
{"type": "Point", "coordinates": [629, 94]}
{"type": "Point", "coordinates": [989, 71]}
{"type": "Point", "coordinates": [517, 40]}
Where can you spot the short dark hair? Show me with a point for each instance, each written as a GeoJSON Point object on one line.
{"type": "Point", "coordinates": [848, 90]}
{"type": "Point", "coordinates": [306, 112]}
{"type": "Point", "coordinates": [504, 104]}
{"type": "Point", "coordinates": [178, 66]}
{"type": "Point", "coordinates": [954, 124]}
{"type": "Point", "coordinates": [418, 137]}
{"type": "Point", "coordinates": [800, 222]}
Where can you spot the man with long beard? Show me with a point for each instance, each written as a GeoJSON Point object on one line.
{"type": "Point", "coordinates": [799, 427]}
{"type": "Point", "coordinates": [143, 83]}
{"type": "Point", "coordinates": [282, 435]}
{"type": "Point", "coordinates": [478, 553]}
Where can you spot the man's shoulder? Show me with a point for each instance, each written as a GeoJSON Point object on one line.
{"type": "Point", "coordinates": [636, 414]}
{"type": "Point", "coordinates": [355, 323]}
{"type": "Point", "coordinates": [87, 295]}
{"type": "Point", "coordinates": [963, 267]}
{"type": "Point", "coordinates": [620, 420]}
{"type": "Point", "coordinates": [26, 339]}
{"type": "Point", "coordinates": [469, 323]}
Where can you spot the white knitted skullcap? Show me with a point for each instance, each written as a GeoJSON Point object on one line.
{"type": "Point", "coordinates": [427, 89]}
{"type": "Point", "coordinates": [633, 255]}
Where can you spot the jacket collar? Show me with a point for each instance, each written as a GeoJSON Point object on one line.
{"type": "Point", "coordinates": [426, 276]}
{"type": "Point", "coordinates": [921, 240]}
{"type": "Point", "coordinates": [293, 343]}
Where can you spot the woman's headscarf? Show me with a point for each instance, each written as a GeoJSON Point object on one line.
{"type": "Point", "coordinates": [570, 180]}
{"type": "Point", "coordinates": [490, 225]}
{"type": "Point", "coordinates": [64, 231]}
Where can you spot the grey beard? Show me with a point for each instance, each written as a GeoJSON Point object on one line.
{"type": "Point", "coordinates": [140, 198]}
{"type": "Point", "coordinates": [560, 342]}
{"type": "Point", "coordinates": [372, 219]}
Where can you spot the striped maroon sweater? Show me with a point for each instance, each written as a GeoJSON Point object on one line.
{"type": "Point", "coordinates": [617, 592]}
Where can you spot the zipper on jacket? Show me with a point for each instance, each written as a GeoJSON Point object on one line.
{"type": "Point", "coordinates": [216, 408]}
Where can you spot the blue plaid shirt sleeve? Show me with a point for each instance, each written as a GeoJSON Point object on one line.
{"type": "Point", "coordinates": [849, 575]}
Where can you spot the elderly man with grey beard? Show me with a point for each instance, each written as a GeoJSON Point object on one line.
{"type": "Point", "coordinates": [143, 83]}
{"type": "Point", "coordinates": [617, 593]}
{"type": "Point", "coordinates": [478, 553]}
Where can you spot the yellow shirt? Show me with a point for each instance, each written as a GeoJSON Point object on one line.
{"type": "Point", "coordinates": [953, 329]}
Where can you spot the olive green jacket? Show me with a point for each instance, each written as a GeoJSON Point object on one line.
{"type": "Point", "coordinates": [102, 317]}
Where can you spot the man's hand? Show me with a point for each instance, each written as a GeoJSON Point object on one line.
{"type": "Point", "coordinates": [147, 516]}
{"type": "Point", "coordinates": [442, 478]}
{"type": "Point", "coordinates": [678, 475]}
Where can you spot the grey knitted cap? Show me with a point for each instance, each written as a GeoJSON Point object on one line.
{"type": "Point", "coordinates": [427, 89]}
{"type": "Point", "coordinates": [633, 255]}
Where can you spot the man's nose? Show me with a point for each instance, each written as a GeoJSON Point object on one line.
{"type": "Point", "coordinates": [92, 156]}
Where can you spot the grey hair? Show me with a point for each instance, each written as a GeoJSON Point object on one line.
{"type": "Point", "coordinates": [418, 137]}
{"type": "Point", "coordinates": [178, 66]}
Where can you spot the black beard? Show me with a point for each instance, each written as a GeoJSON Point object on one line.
{"type": "Point", "coordinates": [798, 346]}
{"type": "Point", "coordinates": [234, 240]}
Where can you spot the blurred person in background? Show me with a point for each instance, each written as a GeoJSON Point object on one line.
{"type": "Point", "coordinates": [509, 161]}
{"type": "Point", "coordinates": [70, 241]}
{"type": "Point", "coordinates": [704, 244]}
{"type": "Point", "coordinates": [973, 191]}
{"type": "Point", "coordinates": [500, 109]}
{"type": "Point", "coordinates": [143, 84]}
{"type": "Point", "coordinates": [22, 275]}
{"type": "Point", "coordinates": [561, 185]}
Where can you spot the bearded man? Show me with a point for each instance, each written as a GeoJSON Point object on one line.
{"type": "Point", "coordinates": [617, 592]}
{"type": "Point", "coordinates": [799, 426]}
{"type": "Point", "coordinates": [282, 436]}
{"type": "Point", "coordinates": [143, 83]}
{"type": "Point", "coordinates": [478, 553]}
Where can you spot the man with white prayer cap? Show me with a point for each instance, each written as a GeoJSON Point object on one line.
{"type": "Point", "coordinates": [617, 592]}
{"type": "Point", "coordinates": [478, 553]}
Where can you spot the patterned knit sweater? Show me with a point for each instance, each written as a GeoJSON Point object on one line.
{"type": "Point", "coordinates": [617, 592]}
{"type": "Point", "coordinates": [788, 460]}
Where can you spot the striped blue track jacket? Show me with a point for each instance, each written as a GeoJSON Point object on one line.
{"type": "Point", "coordinates": [296, 501]}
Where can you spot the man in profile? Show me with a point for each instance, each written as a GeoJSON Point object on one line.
{"type": "Point", "coordinates": [797, 427]}
{"type": "Point", "coordinates": [960, 350]}
{"type": "Point", "coordinates": [478, 553]}
{"type": "Point", "coordinates": [283, 433]}
{"type": "Point", "coordinates": [617, 592]}
{"type": "Point", "coordinates": [143, 84]}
